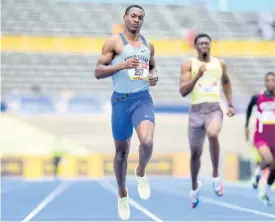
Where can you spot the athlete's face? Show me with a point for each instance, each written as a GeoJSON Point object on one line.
{"type": "Point", "coordinates": [270, 83]}
{"type": "Point", "coordinates": [203, 46]}
{"type": "Point", "coordinates": [134, 19]}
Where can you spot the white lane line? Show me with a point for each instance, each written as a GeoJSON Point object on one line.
{"type": "Point", "coordinates": [108, 186]}
{"type": "Point", "coordinates": [58, 190]}
{"type": "Point", "coordinates": [218, 203]}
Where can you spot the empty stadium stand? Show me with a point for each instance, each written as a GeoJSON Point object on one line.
{"type": "Point", "coordinates": [63, 18]}
{"type": "Point", "coordinates": [55, 72]}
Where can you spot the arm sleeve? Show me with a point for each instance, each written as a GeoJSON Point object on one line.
{"type": "Point", "coordinates": [251, 104]}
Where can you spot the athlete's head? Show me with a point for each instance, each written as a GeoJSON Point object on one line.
{"type": "Point", "coordinates": [270, 81]}
{"type": "Point", "coordinates": [202, 44]}
{"type": "Point", "coordinates": [133, 18]}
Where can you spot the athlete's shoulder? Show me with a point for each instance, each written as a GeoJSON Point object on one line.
{"type": "Point", "coordinates": [191, 60]}
{"type": "Point", "coordinates": [113, 39]}
{"type": "Point", "coordinates": [222, 63]}
{"type": "Point", "coordinates": [220, 60]}
{"type": "Point", "coordinates": [186, 64]}
{"type": "Point", "coordinates": [112, 44]}
{"type": "Point", "coordinates": [188, 61]}
{"type": "Point", "coordinates": [255, 96]}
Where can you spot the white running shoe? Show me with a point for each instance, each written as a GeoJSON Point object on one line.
{"type": "Point", "coordinates": [217, 186]}
{"type": "Point", "coordinates": [194, 196]}
{"type": "Point", "coordinates": [144, 190]}
{"type": "Point", "coordinates": [123, 208]}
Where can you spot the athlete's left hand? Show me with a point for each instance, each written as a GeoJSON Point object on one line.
{"type": "Point", "coordinates": [153, 79]}
{"type": "Point", "coordinates": [231, 111]}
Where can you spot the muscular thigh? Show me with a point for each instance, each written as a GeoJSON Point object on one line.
{"type": "Point", "coordinates": [196, 130]}
{"type": "Point", "coordinates": [213, 122]}
{"type": "Point", "coordinates": [143, 119]}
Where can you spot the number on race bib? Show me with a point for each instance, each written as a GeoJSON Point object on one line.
{"type": "Point", "coordinates": [208, 86]}
{"type": "Point", "coordinates": [138, 74]}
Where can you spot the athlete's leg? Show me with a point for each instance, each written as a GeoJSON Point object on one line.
{"type": "Point", "coordinates": [122, 130]}
{"type": "Point", "coordinates": [213, 127]}
{"type": "Point", "coordinates": [258, 169]}
{"type": "Point", "coordinates": [196, 137]}
{"type": "Point", "coordinates": [257, 175]}
{"type": "Point", "coordinates": [271, 177]}
{"type": "Point", "coordinates": [260, 165]}
{"type": "Point", "coordinates": [145, 132]}
{"type": "Point", "coordinates": [143, 119]}
{"type": "Point", "coordinates": [267, 155]}
{"type": "Point", "coordinates": [120, 165]}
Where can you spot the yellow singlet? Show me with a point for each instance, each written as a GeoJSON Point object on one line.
{"type": "Point", "coordinates": [207, 88]}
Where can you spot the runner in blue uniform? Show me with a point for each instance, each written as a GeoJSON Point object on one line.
{"type": "Point", "coordinates": [129, 59]}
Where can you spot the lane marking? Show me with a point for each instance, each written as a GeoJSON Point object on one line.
{"type": "Point", "coordinates": [218, 203]}
{"type": "Point", "coordinates": [235, 207]}
{"type": "Point", "coordinates": [57, 191]}
{"type": "Point", "coordinates": [111, 188]}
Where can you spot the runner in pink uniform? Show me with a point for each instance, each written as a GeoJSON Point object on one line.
{"type": "Point", "coordinates": [264, 136]}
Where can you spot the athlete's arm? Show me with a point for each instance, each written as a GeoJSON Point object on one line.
{"type": "Point", "coordinates": [250, 106]}
{"type": "Point", "coordinates": [152, 62]}
{"type": "Point", "coordinates": [187, 83]}
{"type": "Point", "coordinates": [152, 66]}
{"type": "Point", "coordinates": [103, 68]}
{"type": "Point", "coordinates": [227, 88]}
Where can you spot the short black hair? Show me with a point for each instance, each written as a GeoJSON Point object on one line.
{"type": "Point", "coordinates": [201, 35]}
{"type": "Point", "coordinates": [133, 6]}
{"type": "Point", "coordinates": [269, 74]}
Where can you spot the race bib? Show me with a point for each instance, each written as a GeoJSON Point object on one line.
{"type": "Point", "coordinates": [208, 86]}
{"type": "Point", "coordinates": [139, 73]}
{"type": "Point", "coordinates": [268, 117]}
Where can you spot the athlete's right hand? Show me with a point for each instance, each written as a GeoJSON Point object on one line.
{"type": "Point", "coordinates": [247, 133]}
{"type": "Point", "coordinates": [131, 63]}
{"type": "Point", "coordinates": [201, 70]}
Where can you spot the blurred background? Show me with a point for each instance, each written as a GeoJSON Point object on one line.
{"type": "Point", "coordinates": [55, 113]}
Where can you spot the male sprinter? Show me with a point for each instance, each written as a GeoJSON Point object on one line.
{"type": "Point", "coordinates": [264, 136]}
{"type": "Point", "coordinates": [129, 59]}
{"type": "Point", "coordinates": [201, 77]}
{"type": "Point", "coordinates": [253, 150]}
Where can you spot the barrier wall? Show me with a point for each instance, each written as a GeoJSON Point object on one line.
{"type": "Point", "coordinates": [29, 104]}
{"type": "Point", "coordinates": [99, 165]}
{"type": "Point", "coordinates": [164, 47]}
